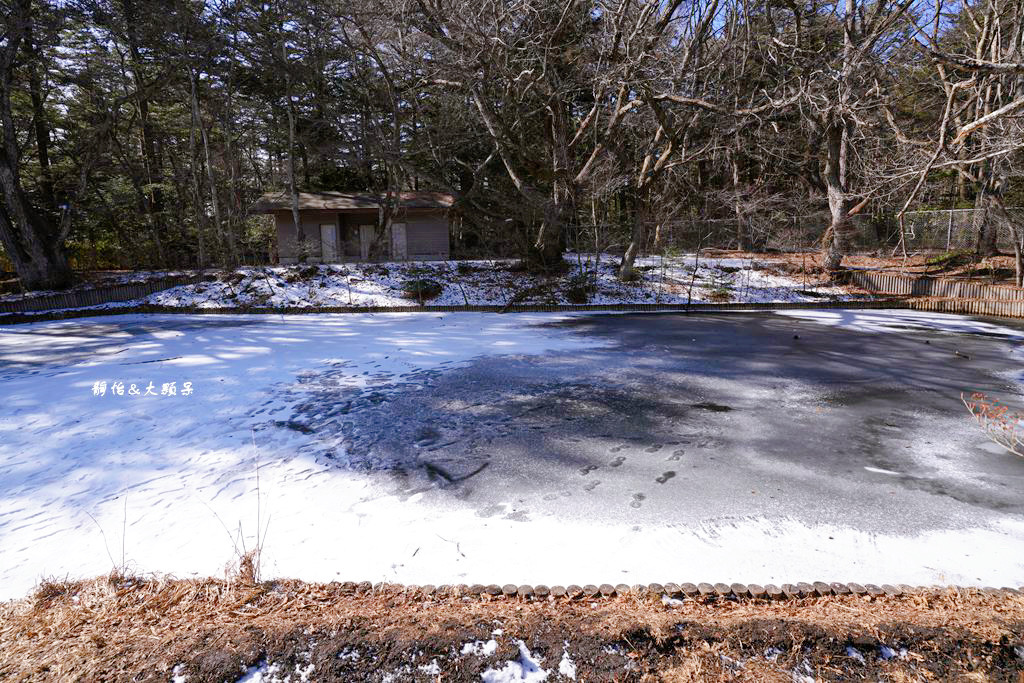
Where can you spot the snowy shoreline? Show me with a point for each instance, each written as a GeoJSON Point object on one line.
{"type": "Point", "coordinates": [588, 281]}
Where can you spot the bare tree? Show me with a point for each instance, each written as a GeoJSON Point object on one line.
{"type": "Point", "coordinates": [551, 84]}
{"type": "Point", "coordinates": [980, 133]}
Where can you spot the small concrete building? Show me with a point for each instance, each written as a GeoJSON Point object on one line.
{"type": "Point", "coordinates": [341, 226]}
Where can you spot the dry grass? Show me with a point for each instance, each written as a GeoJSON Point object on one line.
{"type": "Point", "coordinates": [118, 628]}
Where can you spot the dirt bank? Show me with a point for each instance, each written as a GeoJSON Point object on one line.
{"type": "Point", "coordinates": [208, 630]}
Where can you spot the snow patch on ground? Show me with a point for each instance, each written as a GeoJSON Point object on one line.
{"type": "Point", "coordinates": [525, 669]}
{"type": "Point", "coordinates": [432, 669]}
{"type": "Point", "coordinates": [480, 648]}
{"type": "Point", "coordinates": [669, 280]}
{"type": "Point", "coordinates": [273, 672]}
{"type": "Point", "coordinates": [566, 667]}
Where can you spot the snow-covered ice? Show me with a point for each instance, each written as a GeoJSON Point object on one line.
{"type": "Point", "coordinates": [902, 320]}
{"type": "Point", "coordinates": [168, 483]}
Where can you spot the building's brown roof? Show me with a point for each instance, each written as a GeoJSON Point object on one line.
{"type": "Point", "coordinates": [350, 201]}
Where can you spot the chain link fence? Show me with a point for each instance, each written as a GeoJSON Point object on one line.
{"type": "Point", "coordinates": [955, 229]}
{"type": "Point", "coordinates": [924, 231]}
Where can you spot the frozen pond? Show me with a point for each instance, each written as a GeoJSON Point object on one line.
{"type": "Point", "coordinates": [526, 448]}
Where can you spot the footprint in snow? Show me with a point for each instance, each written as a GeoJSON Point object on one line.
{"type": "Point", "coordinates": [653, 449]}
{"type": "Point", "coordinates": [592, 485]}
{"type": "Point", "coordinates": [665, 477]}
{"type": "Point", "coordinates": [490, 511]}
{"type": "Point", "coordinates": [638, 499]}
{"type": "Point", "coordinates": [587, 469]}
{"type": "Point", "coordinates": [617, 461]}
{"type": "Point", "coordinates": [677, 454]}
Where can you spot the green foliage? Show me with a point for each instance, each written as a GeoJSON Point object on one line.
{"type": "Point", "coordinates": [347, 179]}
{"type": "Point", "coordinates": [421, 289]}
{"type": "Point", "coordinates": [951, 259]}
{"type": "Point", "coordinates": [720, 285]}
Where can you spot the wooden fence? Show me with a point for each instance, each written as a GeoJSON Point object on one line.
{"type": "Point", "coordinates": [945, 294]}
{"type": "Point", "coordinates": [80, 298]}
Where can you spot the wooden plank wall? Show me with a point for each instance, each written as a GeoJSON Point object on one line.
{"type": "Point", "coordinates": [945, 294]}
{"type": "Point", "coordinates": [93, 297]}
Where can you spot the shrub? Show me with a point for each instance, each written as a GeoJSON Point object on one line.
{"type": "Point", "coordinates": [720, 286]}
{"type": "Point", "coordinates": [232, 277]}
{"type": "Point", "coordinates": [580, 287]}
{"type": "Point", "coordinates": [720, 294]}
{"type": "Point", "coordinates": [421, 289]}
{"type": "Point", "coordinates": [300, 273]}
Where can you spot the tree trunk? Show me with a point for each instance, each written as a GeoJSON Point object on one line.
{"type": "Point", "coordinates": [838, 134]}
{"type": "Point", "coordinates": [1018, 255]}
{"type": "Point", "coordinates": [214, 199]}
{"type": "Point", "coordinates": [197, 194]}
{"type": "Point", "coordinates": [545, 254]}
{"type": "Point", "coordinates": [42, 131]}
{"type": "Point", "coordinates": [838, 201]}
{"type": "Point", "coordinates": [636, 240]}
{"type": "Point", "coordinates": [153, 192]}
{"type": "Point", "coordinates": [29, 241]}
{"type": "Point", "coordinates": [1016, 238]}
{"type": "Point", "coordinates": [626, 272]}
{"type": "Point", "coordinates": [33, 244]}
{"type": "Point", "coordinates": [300, 234]}
{"type": "Point", "coordinates": [988, 192]}
{"type": "Point", "coordinates": [742, 233]}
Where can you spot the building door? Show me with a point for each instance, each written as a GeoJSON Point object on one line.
{"type": "Point", "coordinates": [398, 242]}
{"type": "Point", "coordinates": [329, 242]}
{"type": "Point", "coordinates": [365, 240]}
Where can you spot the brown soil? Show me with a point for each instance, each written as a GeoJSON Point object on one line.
{"type": "Point", "coordinates": [130, 629]}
